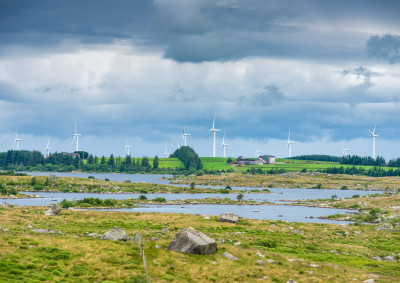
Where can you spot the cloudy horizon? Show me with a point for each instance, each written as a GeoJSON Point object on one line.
{"type": "Point", "coordinates": [144, 70]}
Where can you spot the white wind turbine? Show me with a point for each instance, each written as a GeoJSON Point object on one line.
{"type": "Point", "coordinates": [184, 136]}
{"type": "Point", "coordinates": [345, 151]}
{"type": "Point", "coordinates": [373, 135]}
{"type": "Point", "coordinates": [214, 131]}
{"type": "Point", "coordinates": [258, 152]}
{"type": "Point", "coordinates": [166, 152]}
{"type": "Point", "coordinates": [76, 137]}
{"type": "Point", "coordinates": [224, 145]}
{"type": "Point", "coordinates": [48, 148]}
{"type": "Point", "coordinates": [127, 148]}
{"type": "Point", "coordinates": [289, 144]}
{"type": "Point", "coordinates": [17, 140]}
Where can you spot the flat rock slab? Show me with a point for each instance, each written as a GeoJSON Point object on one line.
{"type": "Point", "coordinates": [115, 234]}
{"type": "Point", "coordinates": [229, 217]}
{"type": "Point", "coordinates": [192, 241]}
{"type": "Point", "coordinates": [229, 256]}
{"type": "Point", "coordinates": [46, 231]}
{"type": "Point", "coordinates": [54, 210]}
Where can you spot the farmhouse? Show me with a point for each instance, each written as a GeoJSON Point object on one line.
{"type": "Point", "coordinates": [250, 161]}
{"type": "Point", "coordinates": [269, 158]}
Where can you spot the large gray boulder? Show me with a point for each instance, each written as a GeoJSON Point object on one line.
{"type": "Point", "coordinates": [192, 241]}
{"type": "Point", "coordinates": [115, 234]}
{"type": "Point", "coordinates": [229, 217]}
{"type": "Point", "coordinates": [54, 210]}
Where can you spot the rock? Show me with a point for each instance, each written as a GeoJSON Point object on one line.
{"type": "Point", "coordinates": [164, 230]}
{"type": "Point", "coordinates": [237, 244]}
{"type": "Point", "coordinates": [310, 272]}
{"type": "Point", "coordinates": [158, 247]}
{"type": "Point", "coordinates": [271, 260]}
{"type": "Point", "coordinates": [260, 254]}
{"type": "Point", "coordinates": [192, 241]}
{"type": "Point", "coordinates": [229, 256]}
{"type": "Point", "coordinates": [29, 226]}
{"type": "Point", "coordinates": [291, 281]}
{"type": "Point", "coordinates": [389, 258]}
{"type": "Point", "coordinates": [376, 257]}
{"type": "Point", "coordinates": [206, 217]}
{"type": "Point", "coordinates": [46, 231]}
{"type": "Point", "coordinates": [115, 234]}
{"type": "Point", "coordinates": [335, 252]}
{"type": "Point", "coordinates": [95, 235]}
{"type": "Point", "coordinates": [54, 210]}
{"type": "Point", "coordinates": [154, 239]}
{"type": "Point", "coordinates": [259, 261]}
{"type": "Point", "coordinates": [369, 281]}
{"type": "Point", "coordinates": [292, 259]}
{"type": "Point", "coordinates": [297, 232]}
{"type": "Point", "coordinates": [229, 217]}
{"type": "Point", "coordinates": [5, 204]}
{"type": "Point", "coordinates": [314, 265]}
{"type": "Point", "coordinates": [385, 226]}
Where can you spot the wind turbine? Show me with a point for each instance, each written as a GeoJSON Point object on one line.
{"type": "Point", "coordinates": [258, 152]}
{"type": "Point", "coordinates": [127, 148]}
{"type": "Point", "coordinates": [48, 148]}
{"type": "Point", "coordinates": [76, 137]}
{"type": "Point", "coordinates": [224, 145]}
{"type": "Point", "coordinates": [166, 152]}
{"type": "Point", "coordinates": [289, 144]}
{"type": "Point", "coordinates": [184, 136]}
{"type": "Point", "coordinates": [213, 130]}
{"type": "Point", "coordinates": [17, 140]}
{"type": "Point", "coordinates": [373, 135]}
{"type": "Point", "coordinates": [345, 151]}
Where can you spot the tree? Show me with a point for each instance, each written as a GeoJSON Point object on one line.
{"type": "Point", "coordinates": [155, 162]}
{"type": "Point", "coordinates": [111, 161]}
{"type": "Point", "coordinates": [239, 197]}
{"type": "Point", "coordinates": [103, 160]}
{"type": "Point", "coordinates": [188, 157]}
{"type": "Point", "coordinates": [192, 185]}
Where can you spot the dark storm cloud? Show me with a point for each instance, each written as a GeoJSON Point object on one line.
{"type": "Point", "coordinates": [386, 47]}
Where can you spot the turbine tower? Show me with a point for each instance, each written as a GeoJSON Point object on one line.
{"type": "Point", "coordinates": [289, 144]}
{"type": "Point", "coordinates": [76, 137]}
{"type": "Point", "coordinates": [258, 152]}
{"type": "Point", "coordinates": [373, 135]}
{"type": "Point", "coordinates": [17, 140]}
{"type": "Point", "coordinates": [166, 151]}
{"type": "Point", "coordinates": [213, 130]}
{"type": "Point", "coordinates": [127, 148]}
{"type": "Point", "coordinates": [48, 148]}
{"type": "Point", "coordinates": [184, 136]}
{"type": "Point", "coordinates": [224, 145]}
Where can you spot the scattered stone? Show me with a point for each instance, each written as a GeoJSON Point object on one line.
{"type": "Point", "coordinates": [259, 261]}
{"type": "Point", "coordinates": [292, 259]}
{"type": "Point", "coordinates": [158, 247]}
{"type": "Point", "coordinates": [229, 256]}
{"type": "Point", "coordinates": [31, 246]}
{"type": "Point", "coordinates": [314, 265]}
{"type": "Point", "coordinates": [154, 239]}
{"type": "Point", "coordinates": [54, 210]}
{"type": "Point", "coordinates": [270, 260]}
{"type": "Point", "coordinates": [237, 244]}
{"type": "Point", "coordinates": [335, 252]}
{"type": "Point", "coordinates": [310, 272]}
{"type": "Point", "coordinates": [260, 254]}
{"type": "Point", "coordinates": [369, 281]}
{"type": "Point", "coordinates": [298, 232]}
{"type": "Point", "coordinates": [389, 258]}
{"type": "Point", "coordinates": [376, 258]}
{"type": "Point", "coordinates": [29, 226]}
{"type": "Point", "coordinates": [5, 204]}
{"type": "Point", "coordinates": [46, 231]}
{"type": "Point", "coordinates": [221, 240]}
{"type": "Point", "coordinates": [192, 241]}
{"type": "Point", "coordinates": [164, 230]}
{"type": "Point", "coordinates": [229, 217]}
{"type": "Point", "coordinates": [12, 196]}
{"type": "Point", "coordinates": [95, 235]}
{"type": "Point", "coordinates": [115, 234]}
{"type": "Point", "coordinates": [206, 217]}
{"type": "Point", "coordinates": [291, 281]}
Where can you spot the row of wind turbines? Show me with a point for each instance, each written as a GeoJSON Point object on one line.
{"type": "Point", "coordinates": [185, 135]}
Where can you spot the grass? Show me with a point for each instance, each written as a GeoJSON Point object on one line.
{"type": "Point", "coordinates": [74, 256]}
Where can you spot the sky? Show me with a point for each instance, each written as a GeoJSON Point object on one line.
{"type": "Point", "coordinates": [137, 72]}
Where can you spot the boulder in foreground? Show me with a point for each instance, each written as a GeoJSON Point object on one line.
{"type": "Point", "coordinates": [229, 217]}
{"type": "Point", "coordinates": [192, 241]}
{"type": "Point", "coordinates": [115, 234]}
